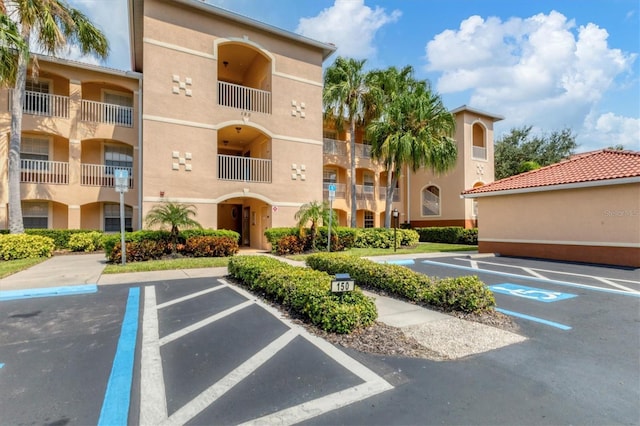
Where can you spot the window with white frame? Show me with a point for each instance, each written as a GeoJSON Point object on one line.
{"type": "Point", "coordinates": [118, 157]}
{"type": "Point", "coordinates": [112, 217]}
{"type": "Point", "coordinates": [368, 219]}
{"type": "Point", "coordinates": [35, 214]}
{"type": "Point", "coordinates": [34, 148]}
{"type": "Point", "coordinates": [119, 109]}
{"type": "Point", "coordinates": [329, 176]}
{"type": "Point", "coordinates": [368, 180]}
{"type": "Point", "coordinates": [36, 97]}
{"type": "Point", "coordinates": [431, 201]}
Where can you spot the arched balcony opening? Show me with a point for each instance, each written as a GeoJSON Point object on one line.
{"type": "Point", "coordinates": [244, 154]}
{"type": "Point", "coordinates": [479, 142]}
{"type": "Point", "coordinates": [107, 104]}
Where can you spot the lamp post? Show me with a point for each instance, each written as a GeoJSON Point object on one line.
{"type": "Point", "coordinates": [395, 229]}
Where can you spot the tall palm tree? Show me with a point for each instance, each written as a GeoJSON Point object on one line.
{"type": "Point", "coordinates": [316, 213]}
{"type": "Point", "coordinates": [175, 215]}
{"type": "Point", "coordinates": [10, 43]}
{"type": "Point", "coordinates": [52, 24]}
{"type": "Point", "coordinates": [345, 97]}
{"type": "Point", "coordinates": [414, 129]}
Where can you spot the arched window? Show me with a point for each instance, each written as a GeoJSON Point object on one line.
{"type": "Point", "coordinates": [431, 201]}
{"type": "Point", "coordinates": [479, 142]}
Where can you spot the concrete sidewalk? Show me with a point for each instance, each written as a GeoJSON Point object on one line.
{"type": "Point", "coordinates": [81, 269]}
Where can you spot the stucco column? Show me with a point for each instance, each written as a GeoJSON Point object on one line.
{"type": "Point", "coordinates": [75, 146]}
{"type": "Point", "coordinates": [75, 156]}
{"type": "Point", "coordinates": [73, 217]}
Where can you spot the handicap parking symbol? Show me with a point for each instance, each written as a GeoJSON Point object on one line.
{"type": "Point", "coordinates": [538, 294]}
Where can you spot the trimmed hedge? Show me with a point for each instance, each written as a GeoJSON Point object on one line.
{"type": "Point", "coordinates": [85, 241]}
{"type": "Point", "coordinates": [448, 235]}
{"type": "Point", "coordinates": [23, 246]}
{"type": "Point", "coordinates": [466, 294]}
{"type": "Point", "coordinates": [306, 292]}
{"type": "Point", "coordinates": [384, 238]}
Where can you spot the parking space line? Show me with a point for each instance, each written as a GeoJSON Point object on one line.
{"type": "Point", "coordinates": [524, 277]}
{"type": "Point", "coordinates": [115, 407]}
{"type": "Point", "coordinates": [215, 391]}
{"type": "Point", "coordinates": [611, 283]}
{"type": "Point", "coordinates": [535, 319]}
{"type": "Point", "coordinates": [534, 273]}
{"type": "Point", "coordinates": [190, 296]}
{"type": "Point", "coordinates": [30, 293]}
{"type": "Point", "coordinates": [184, 331]}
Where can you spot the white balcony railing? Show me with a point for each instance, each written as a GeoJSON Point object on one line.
{"type": "Point", "coordinates": [40, 171]}
{"type": "Point", "coordinates": [364, 192]}
{"type": "Point", "coordinates": [244, 169]}
{"type": "Point", "coordinates": [383, 194]}
{"type": "Point", "coordinates": [341, 189]}
{"type": "Point", "coordinates": [363, 151]}
{"type": "Point", "coordinates": [245, 98]}
{"type": "Point", "coordinates": [44, 104]}
{"type": "Point", "coordinates": [101, 175]}
{"type": "Point", "coordinates": [480, 152]}
{"type": "Point", "coordinates": [334, 147]}
{"type": "Point", "coordinates": [100, 112]}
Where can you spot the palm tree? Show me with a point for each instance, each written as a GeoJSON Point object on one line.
{"type": "Point", "coordinates": [53, 24]}
{"type": "Point", "coordinates": [345, 97]}
{"type": "Point", "coordinates": [10, 43]}
{"type": "Point", "coordinates": [414, 128]}
{"type": "Point", "coordinates": [175, 215]}
{"type": "Point", "coordinates": [314, 212]}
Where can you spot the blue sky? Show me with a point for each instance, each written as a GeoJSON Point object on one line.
{"type": "Point", "coordinates": [550, 64]}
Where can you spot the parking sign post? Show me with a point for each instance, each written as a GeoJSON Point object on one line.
{"type": "Point", "coordinates": [332, 196]}
{"type": "Point", "coordinates": [122, 186]}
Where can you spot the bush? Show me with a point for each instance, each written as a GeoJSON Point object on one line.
{"type": "Point", "coordinates": [210, 246]}
{"type": "Point", "coordinates": [23, 246]}
{"type": "Point", "coordinates": [290, 244]}
{"type": "Point", "coordinates": [385, 237]}
{"type": "Point", "coordinates": [466, 294]}
{"type": "Point", "coordinates": [60, 237]}
{"type": "Point", "coordinates": [449, 235]}
{"type": "Point", "coordinates": [306, 292]}
{"type": "Point", "coordinates": [139, 251]}
{"type": "Point", "coordinates": [85, 241]}
{"type": "Point", "coordinates": [469, 236]}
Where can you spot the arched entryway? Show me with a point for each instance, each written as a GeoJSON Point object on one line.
{"type": "Point", "coordinates": [249, 217]}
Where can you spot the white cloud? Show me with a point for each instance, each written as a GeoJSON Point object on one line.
{"type": "Point", "coordinates": [609, 129]}
{"type": "Point", "coordinates": [540, 71]}
{"type": "Point", "coordinates": [350, 25]}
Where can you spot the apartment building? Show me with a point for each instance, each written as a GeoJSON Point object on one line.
{"type": "Point", "coordinates": [222, 112]}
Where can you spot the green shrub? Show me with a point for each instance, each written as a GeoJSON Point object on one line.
{"type": "Point", "coordinates": [290, 244]}
{"type": "Point", "coordinates": [139, 251]}
{"type": "Point", "coordinates": [306, 292]}
{"type": "Point", "coordinates": [85, 241]}
{"type": "Point", "coordinates": [408, 237]}
{"type": "Point", "coordinates": [273, 235]}
{"type": "Point", "coordinates": [205, 246]}
{"type": "Point", "coordinates": [469, 236]}
{"type": "Point", "coordinates": [60, 237]}
{"type": "Point", "coordinates": [440, 234]}
{"type": "Point", "coordinates": [23, 246]}
{"type": "Point", "coordinates": [385, 237]}
{"type": "Point", "coordinates": [466, 294]}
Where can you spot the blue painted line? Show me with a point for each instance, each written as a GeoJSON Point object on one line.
{"type": "Point", "coordinates": [47, 292]}
{"type": "Point", "coordinates": [535, 319]}
{"type": "Point", "coordinates": [1, 364]}
{"type": "Point", "coordinates": [531, 293]}
{"type": "Point", "coordinates": [539, 280]}
{"type": "Point", "coordinates": [398, 262]}
{"type": "Point", "coordinates": [115, 407]}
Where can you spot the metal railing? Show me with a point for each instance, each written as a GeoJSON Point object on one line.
{"type": "Point", "coordinates": [101, 175]}
{"type": "Point", "coordinates": [383, 194]}
{"type": "Point", "coordinates": [41, 171]}
{"type": "Point", "coordinates": [44, 104]}
{"type": "Point", "coordinates": [364, 192]}
{"type": "Point", "coordinates": [341, 189]}
{"type": "Point", "coordinates": [245, 98]}
{"type": "Point", "coordinates": [479, 152]}
{"type": "Point", "coordinates": [101, 112]}
{"type": "Point", "coordinates": [363, 151]}
{"type": "Point", "coordinates": [334, 147]}
{"type": "Point", "coordinates": [244, 169]}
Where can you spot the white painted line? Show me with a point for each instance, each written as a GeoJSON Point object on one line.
{"type": "Point", "coordinates": [611, 283]}
{"type": "Point", "coordinates": [310, 409]}
{"type": "Point", "coordinates": [190, 296]}
{"type": "Point", "coordinates": [183, 332]}
{"type": "Point", "coordinates": [210, 395]}
{"type": "Point", "coordinates": [534, 273]}
{"type": "Point", "coordinates": [153, 403]}
{"type": "Point", "coordinates": [474, 264]}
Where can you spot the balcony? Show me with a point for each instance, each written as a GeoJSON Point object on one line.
{"type": "Point", "coordinates": [334, 147]}
{"type": "Point", "coordinates": [40, 171]}
{"type": "Point", "coordinates": [101, 175]}
{"type": "Point", "coordinates": [363, 151]}
{"type": "Point", "coordinates": [341, 189]}
{"type": "Point", "coordinates": [244, 169]}
{"type": "Point", "coordinates": [479, 152]}
{"type": "Point", "coordinates": [44, 104]}
{"type": "Point", "coordinates": [244, 98]}
{"type": "Point", "coordinates": [100, 112]}
{"type": "Point", "coordinates": [383, 194]}
{"type": "Point", "coordinates": [364, 192]}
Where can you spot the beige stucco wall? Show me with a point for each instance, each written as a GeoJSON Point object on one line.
{"type": "Point", "coordinates": [597, 224]}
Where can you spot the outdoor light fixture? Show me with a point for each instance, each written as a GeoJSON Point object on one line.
{"type": "Point", "coordinates": [395, 229]}
{"type": "Point", "coordinates": [225, 143]}
{"type": "Point", "coordinates": [238, 129]}
{"type": "Point", "coordinates": [225, 63]}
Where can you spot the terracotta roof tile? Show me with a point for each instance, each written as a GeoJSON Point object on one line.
{"type": "Point", "coordinates": [591, 166]}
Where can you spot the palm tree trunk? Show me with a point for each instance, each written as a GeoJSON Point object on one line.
{"type": "Point", "coordinates": [352, 145]}
{"type": "Point", "coordinates": [388, 199]}
{"type": "Point", "coordinates": [16, 225]}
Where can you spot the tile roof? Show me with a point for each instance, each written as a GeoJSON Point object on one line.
{"type": "Point", "coordinates": [601, 165]}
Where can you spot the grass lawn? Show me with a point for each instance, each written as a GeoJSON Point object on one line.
{"type": "Point", "coordinates": [163, 265]}
{"type": "Point", "coordinates": [420, 248]}
{"type": "Point", "coordinates": [8, 267]}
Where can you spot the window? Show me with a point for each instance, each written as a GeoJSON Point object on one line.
{"type": "Point", "coordinates": [479, 145]}
{"type": "Point", "coordinates": [117, 157]}
{"type": "Point", "coordinates": [112, 217]}
{"type": "Point", "coordinates": [35, 214]}
{"type": "Point", "coordinates": [431, 201]}
{"type": "Point", "coordinates": [32, 148]}
{"type": "Point", "coordinates": [368, 180]}
{"type": "Point", "coordinates": [368, 219]}
{"type": "Point", "coordinates": [36, 97]}
{"type": "Point", "coordinates": [119, 109]}
{"type": "Point", "coordinates": [330, 134]}
{"type": "Point", "coordinates": [329, 176]}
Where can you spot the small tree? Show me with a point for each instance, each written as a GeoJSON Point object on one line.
{"type": "Point", "coordinates": [175, 215]}
{"type": "Point", "coordinates": [314, 212]}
